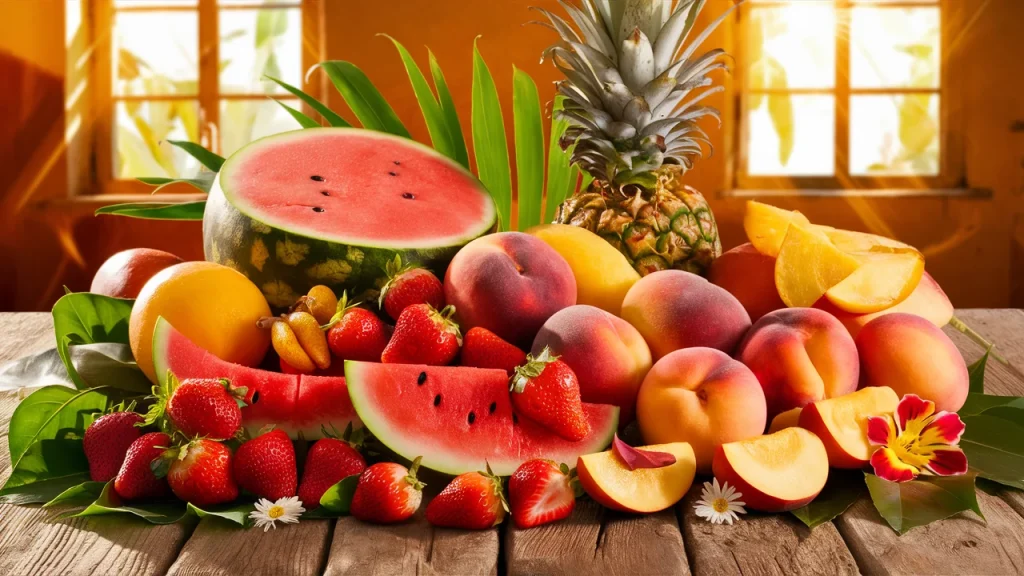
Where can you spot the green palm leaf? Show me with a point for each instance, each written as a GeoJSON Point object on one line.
{"type": "Point", "coordinates": [433, 116]}
{"type": "Point", "coordinates": [451, 115]}
{"type": "Point", "coordinates": [302, 119]}
{"type": "Point", "coordinates": [489, 144]}
{"type": "Point", "coordinates": [330, 115]}
{"type": "Point", "coordinates": [562, 175]}
{"type": "Point", "coordinates": [369, 106]}
{"type": "Point", "coordinates": [529, 132]}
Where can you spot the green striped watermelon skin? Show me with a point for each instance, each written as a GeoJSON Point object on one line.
{"type": "Point", "coordinates": [285, 258]}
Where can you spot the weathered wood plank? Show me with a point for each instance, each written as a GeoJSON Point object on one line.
{"type": "Point", "coordinates": [1005, 329]}
{"type": "Point", "coordinates": [598, 541]}
{"type": "Point", "coordinates": [220, 549]}
{"type": "Point", "coordinates": [413, 547]}
{"type": "Point", "coordinates": [25, 333]}
{"type": "Point", "coordinates": [762, 544]}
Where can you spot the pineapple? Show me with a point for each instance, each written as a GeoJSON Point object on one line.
{"type": "Point", "coordinates": [631, 92]}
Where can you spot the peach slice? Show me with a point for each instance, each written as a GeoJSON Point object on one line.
{"type": "Point", "coordinates": [775, 473]}
{"type": "Point", "coordinates": [608, 481]}
{"type": "Point", "coordinates": [856, 242]}
{"type": "Point", "coordinates": [788, 419]}
{"type": "Point", "coordinates": [883, 281]}
{"type": "Point", "coordinates": [842, 423]}
{"type": "Point", "coordinates": [808, 265]}
{"type": "Point", "coordinates": [766, 226]}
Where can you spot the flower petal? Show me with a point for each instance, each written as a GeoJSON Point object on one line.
{"type": "Point", "coordinates": [945, 428]}
{"type": "Point", "coordinates": [913, 407]}
{"type": "Point", "coordinates": [879, 429]}
{"type": "Point", "coordinates": [889, 467]}
{"type": "Point", "coordinates": [948, 462]}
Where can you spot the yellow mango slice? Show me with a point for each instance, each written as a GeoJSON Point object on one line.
{"type": "Point", "coordinates": [883, 281]}
{"type": "Point", "coordinates": [808, 265]}
{"type": "Point", "coordinates": [766, 226]}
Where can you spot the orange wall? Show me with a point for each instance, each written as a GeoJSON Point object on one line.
{"type": "Point", "coordinates": [973, 245]}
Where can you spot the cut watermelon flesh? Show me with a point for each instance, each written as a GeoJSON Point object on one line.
{"type": "Point", "coordinates": [460, 419]}
{"type": "Point", "coordinates": [297, 404]}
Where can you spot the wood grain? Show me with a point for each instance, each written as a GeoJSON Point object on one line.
{"type": "Point", "coordinates": [762, 544]}
{"type": "Point", "coordinates": [217, 548]}
{"type": "Point", "coordinates": [598, 541]}
{"type": "Point", "coordinates": [25, 333]}
{"type": "Point", "coordinates": [413, 547]}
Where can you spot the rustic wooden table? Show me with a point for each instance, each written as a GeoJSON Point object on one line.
{"type": "Point", "coordinates": [592, 541]}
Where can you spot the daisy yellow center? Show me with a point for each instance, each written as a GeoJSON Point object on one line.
{"type": "Point", "coordinates": [720, 505]}
{"type": "Point", "coordinates": [275, 512]}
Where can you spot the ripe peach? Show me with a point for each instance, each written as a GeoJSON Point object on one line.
{"type": "Point", "coordinates": [124, 274]}
{"type": "Point", "coordinates": [842, 424]}
{"type": "Point", "coordinates": [750, 277]}
{"type": "Point", "coordinates": [800, 355]}
{"type": "Point", "coordinates": [509, 283]}
{"type": "Point", "coordinates": [927, 300]}
{"type": "Point", "coordinates": [788, 419]}
{"type": "Point", "coordinates": [608, 355]}
{"type": "Point", "coordinates": [910, 355]}
{"type": "Point", "coordinates": [775, 473]}
{"type": "Point", "coordinates": [703, 397]}
{"type": "Point", "coordinates": [673, 309]}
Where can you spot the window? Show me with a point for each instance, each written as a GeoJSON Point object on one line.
{"type": "Point", "coordinates": [845, 94]}
{"type": "Point", "coordinates": [192, 70]}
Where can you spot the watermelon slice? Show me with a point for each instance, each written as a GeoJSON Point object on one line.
{"type": "Point", "coordinates": [333, 205]}
{"type": "Point", "coordinates": [460, 419]}
{"type": "Point", "coordinates": [295, 403]}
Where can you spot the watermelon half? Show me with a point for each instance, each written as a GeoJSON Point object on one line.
{"type": "Point", "coordinates": [460, 419]}
{"type": "Point", "coordinates": [333, 205]}
{"type": "Point", "coordinates": [297, 404]}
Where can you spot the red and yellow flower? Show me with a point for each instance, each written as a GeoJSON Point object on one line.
{"type": "Point", "coordinates": [916, 440]}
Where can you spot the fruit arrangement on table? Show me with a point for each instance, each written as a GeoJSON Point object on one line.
{"type": "Point", "coordinates": [360, 332]}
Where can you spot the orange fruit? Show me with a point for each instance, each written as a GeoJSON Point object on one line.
{"type": "Point", "coordinates": [214, 306]}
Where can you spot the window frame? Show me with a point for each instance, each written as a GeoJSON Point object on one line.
{"type": "Point", "coordinates": [208, 96]}
{"type": "Point", "coordinates": [951, 151]}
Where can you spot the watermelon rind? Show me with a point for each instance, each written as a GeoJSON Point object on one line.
{"type": "Point", "coordinates": [501, 461]}
{"type": "Point", "coordinates": [285, 259]}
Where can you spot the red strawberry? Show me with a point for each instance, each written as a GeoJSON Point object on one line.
{"type": "Point", "coordinates": [328, 462]}
{"type": "Point", "coordinates": [200, 472]}
{"type": "Point", "coordinates": [136, 480]}
{"type": "Point", "coordinates": [265, 466]}
{"type": "Point", "coordinates": [387, 493]}
{"type": "Point", "coordinates": [424, 336]}
{"type": "Point", "coordinates": [356, 333]}
{"type": "Point", "coordinates": [485, 349]}
{"type": "Point", "coordinates": [473, 501]}
{"type": "Point", "coordinates": [541, 492]}
{"type": "Point", "coordinates": [545, 390]}
{"type": "Point", "coordinates": [106, 442]}
{"type": "Point", "coordinates": [408, 286]}
{"type": "Point", "coordinates": [205, 407]}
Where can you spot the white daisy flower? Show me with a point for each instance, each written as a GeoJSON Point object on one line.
{"type": "Point", "coordinates": [719, 504]}
{"type": "Point", "coordinates": [267, 513]}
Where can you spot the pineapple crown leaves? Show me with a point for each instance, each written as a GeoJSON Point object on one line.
{"type": "Point", "coordinates": [533, 368]}
{"type": "Point", "coordinates": [411, 478]}
{"type": "Point", "coordinates": [496, 483]}
{"type": "Point", "coordinates": [445, 322]}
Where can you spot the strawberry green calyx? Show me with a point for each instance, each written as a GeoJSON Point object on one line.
{"type": "Point", "coordinates": [411, 478]}
{"type": "Point", "coordinates": [533, 368]}
{"type": "Point", "coordinates": [496, 483]}
{"type": "Point", "coordinates": [354, 437]}
{"type": "Point", "coordinates": [343, 306]}
{"type": "Point", "coordinates": [393, 269]}
{"type": "Point", "coordinates": [574, 479]}
{"type": "Point", "coordinates": [161, 394]}
{"type": "Point", "coordinates": [443, 318]}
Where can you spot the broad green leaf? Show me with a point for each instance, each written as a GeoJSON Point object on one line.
{"type": "Point", "coordinates": [976, 373]}
{"type": "Point", "coordinates": [43, 369]}
{"type": "Point", "coordinates": [906, 505]}
{"type": "Point", "coordinates": [237, 513]}
{"type": "Point", "coordinates": [302, 119]}
{"type": "Point", "coordinates": [372, 110]}
{"type": "Point", "coordinates": [205, 157]}
{"type": "Point", "coordinates": [843, 488]}
{"type": "Point", "coordinates": [981, 403]}
{"type": "Point", "coordinates": [49, 460]}
{"type": "Point", "coordinates": [165, 512]}
{"type": "Point", "coordinates": [52, 413]}
{"type": "Point", "coordinates": [994, 447]}
{"type": "Point", "coordinates": [330, 115]}
{"type": "Point", "coordinates": [561, 175]}
{"type": "Point", "coordinates": [157, 210]}
{"type": "Point", "coordinates": [96, 365]}
{"type": "Point", "coordinates": [451, 115]}
{"type": "Point", "coordinates": [337, 499]}
{"type": "Point", "coordinates": [529, 132]}
{"type": "Point", "coordinates": [203, 182]}
{"type": "Point", "coordinates": [45, 490]}
{"type": "Point", "coordinates": [85, 318]}
{"type": "Point", "coordinates": [489, 143]}
{"type": "Point", "coordinates": [433, 116]}
{"type": "Point", "coordinates": [78, 495]}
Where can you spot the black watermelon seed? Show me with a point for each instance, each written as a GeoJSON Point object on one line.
{"type": "Point", "coordinates": [317, 209]}
{"type": "Point", "coordinates": [437, 400]}
{"type": "Point", "coordinates": [515, 418]}
{"type": "Point", "coordinates": [393, 173]}
{"type": "Point", "coordinates": [397, 163]}
{"type": "Point", "coordinates": [472, 417]}
{"type": "Point", "coordinates": [325, 192]}
{"type": "Point", "coordinates": [317, 178]}
{"type": "Point", "coordinates": [422, 378]}
{"type": "Point", "coordinates": [408, 195]}
{"type": "Point", "coordinates": [492, 407]}
{"type": "Point", "coordinates": [255, 397]}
